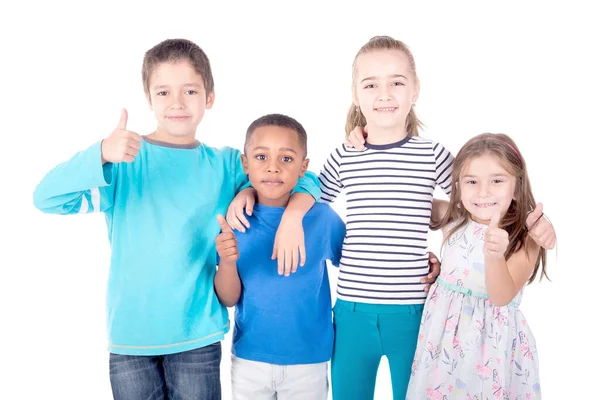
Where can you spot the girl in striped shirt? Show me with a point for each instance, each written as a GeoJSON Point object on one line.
{"type": "Point", "coordinates": [389, 184]}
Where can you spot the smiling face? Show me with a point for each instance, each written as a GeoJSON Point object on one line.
{"type": "Point", "coordinates": [486, 187]}
{"type": "Point", "coordinates": [274, 160]}
{"type": "Point", "coordinates": [179, 100]}
{"type": "Point", "coordinates": [385, 89]}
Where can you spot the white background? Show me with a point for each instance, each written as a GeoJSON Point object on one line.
{"type": "Point", "coordinates": [528, 70]}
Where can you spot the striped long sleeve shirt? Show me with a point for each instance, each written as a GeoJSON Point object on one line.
{"type": "Point", "coordinates": [389, 193]}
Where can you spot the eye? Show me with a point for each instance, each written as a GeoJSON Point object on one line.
{"type": "Point", "coordinates": [471, 182]}
{"type": "Point", "coordinates": [370, 86]}
{"type": "Point", "coordinates": [191, 91]}
{"type": "Point", "coordinates": [261, 157]}
{"type": "Point", "coordinates": [397, 84]}
{"type": "Point", "coordinates": [497, 180]}
{"type": "Point", "coordinates": [287, 159]}
{"type": "Point", "coordinates": [163, 93]}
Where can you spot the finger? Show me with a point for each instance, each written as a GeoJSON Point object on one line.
{"type": "Point", "coordinates": [287, 265]}
{"type": "Point", "coordinates": [123, 120]}
{"type": "Point", "coordinates": [239, 214]}
{"type": "Point", "coordinates": [234, 223]}
{"type": "Point", "coordinates": [546, 240]}
{"type": "Point", "coordinates": [250, 206]}
{"type": "Point", "coordinates": [534, 216]}
{"type": "Point", "coordinates": [295, 258]}
{"type": "Point", "coordinates": [134, 144]}
{"type": "Point", "coordinates": [302, 255]}
{"type": "Point", "coordinates": [280, 261]}
{"type": "Point", "coordinates": [426, 288]}
{"type": "Point", "coordinates": [131, 152]}
{"type": "Point", "coordinates": [128, 158]}
{"type": "Point", "coordinates": [495, 221]}
{"type": "Point", "coordinates": [223, 224]}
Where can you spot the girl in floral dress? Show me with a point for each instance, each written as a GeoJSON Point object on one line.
{"type": "Point", "coordinates": [474, 342]}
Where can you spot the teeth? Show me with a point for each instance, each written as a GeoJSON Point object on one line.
{"type": "Point", "coordinates": [386, 109]}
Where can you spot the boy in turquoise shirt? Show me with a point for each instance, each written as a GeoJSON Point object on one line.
{"type": "Point", "coordinates": [160, 194]}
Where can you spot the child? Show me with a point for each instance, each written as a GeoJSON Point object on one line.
{"type": "Point", "coordinates": [389, 188]}
{"type": "Point", "coordinates": [160, 194]}
{"type": "Point", "coordinates": [474, 341]}
{"type": "Point", "coordinates": [283, 335]}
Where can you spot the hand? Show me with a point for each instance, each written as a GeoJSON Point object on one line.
{"type": "Point", "coordinates": [289, 243]}
{"type": "Point", "coordinates": [122, 145]}
{"type": "Point", "coordinates": [496, 239]}
{"type": "Point", "coordinates": [226, 242]}
{"type": "Point", "coordinates": [235, 213]}
{"type": "Point", "coordinates": [356, 139]}
{"type": "Point", "coordinates": [540, 229]}
{"type": "Point", "coordinates": [434, 271]}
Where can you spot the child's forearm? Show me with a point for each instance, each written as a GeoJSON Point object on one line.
{"type": "Point", "coordinates": [499, 283]}
{"type": "Point", "coordinates": [228, 285]}
{"type": "Point", "coordinates": [299, 205]}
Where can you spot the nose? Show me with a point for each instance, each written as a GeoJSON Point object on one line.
{"type": "Point", "coordinates": [178, 101]}
{"type": "Point", "coordinates": [484, 189]}
{"type": "Point", "coordinates": [384, 93]}
{"type": "Point", "coordinates": [273, 167]}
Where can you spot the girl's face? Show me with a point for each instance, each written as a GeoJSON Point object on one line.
{"type": "Point", "coordinates": [178, 99]}
{"type": "Point", "coordinates": [486, 187]}
{"type": "Point", "coordinates": [385, 88]}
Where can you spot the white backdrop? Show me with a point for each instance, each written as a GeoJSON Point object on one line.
{"type": "Point", "coordinates": [528, 70]}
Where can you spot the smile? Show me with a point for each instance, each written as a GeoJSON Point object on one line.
{"type": "Point", "coordinates": [178, 118]}
{"type": "Point", "coordinates": [386, 109]}
{"type": "Point", "coordinates": [485, 205]}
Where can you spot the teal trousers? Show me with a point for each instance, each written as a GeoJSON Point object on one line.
{"type": "Point", "coordinates": [363, 334]}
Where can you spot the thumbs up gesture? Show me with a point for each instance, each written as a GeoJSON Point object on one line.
{"type": "Point", "coordinates": [540, 229]}
{"type": "Point", "coordinates": [496, 239]}
{"type": "Point", "coordinates": [226, 242]}
{"type": "Point", "coordinates": [122, 145]}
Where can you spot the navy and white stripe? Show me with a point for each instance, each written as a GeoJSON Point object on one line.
{"type": "Point", "coordinates": [389, 192]}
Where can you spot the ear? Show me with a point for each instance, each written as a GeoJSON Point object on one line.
{"type": "Point", "coordinates": [304, 167]}
{"type": "Point", "coordinates": [245, 163]}
{"type": "Point", "coordinates": [354, 96]}
{"type": "Point", "coordinates": [416, 92]}
{"type": "Point", "coordinates": [210, 99]}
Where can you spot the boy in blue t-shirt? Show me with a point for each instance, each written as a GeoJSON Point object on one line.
{"type": "Point", "coordinates": [160, 195]}
{"type": "Point", "coordinates": [283, 334]}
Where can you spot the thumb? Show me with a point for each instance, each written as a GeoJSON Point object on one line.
{"type": "Point", "coordinates": [534, 215]}
{"type": "Point", "coordinates": [123, 121]}
{"type": "Point", "coordinates": [495, 221]}
{"type": "Point", "coordinates": [223, 223]}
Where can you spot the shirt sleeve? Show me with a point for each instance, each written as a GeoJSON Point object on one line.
{"type": "Point", "coordinates": [443, 167]}
{"type": "Point", "coordinates": [336, 237]}
{"type": "Point", "coordinates": [329, 178]}
{"type": "Point", "coordinates": [79, 185]}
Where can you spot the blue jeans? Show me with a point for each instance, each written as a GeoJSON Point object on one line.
{"type": "Point", "coordinates": [193, 374]}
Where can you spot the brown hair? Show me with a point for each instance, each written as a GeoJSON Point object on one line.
{"type": "Point", "coordinates": [513, 221]}
{"type": "Point", "coordinates": [173, 50]}
{"type": "Point", "coordinates": [355, 116]}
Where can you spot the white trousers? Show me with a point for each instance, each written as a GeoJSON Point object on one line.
{"type": "Point", "coordinates": [252, 380]}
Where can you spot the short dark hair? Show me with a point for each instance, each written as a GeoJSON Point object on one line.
{"type": "Point", "coordinates": [282, 121]}
{"type": "Point", "coordinates": [172, 50]}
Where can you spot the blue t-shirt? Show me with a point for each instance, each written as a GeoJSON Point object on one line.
{"type": "Point", "coordinates": [161, 215]}
{"type": "Point", "coordinates": [286, 320]}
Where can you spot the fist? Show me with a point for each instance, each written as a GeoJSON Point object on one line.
{"type": "Point", "coordinates": [496, 239]}
{"type": "Point", "coordinates": [226, 242]}
{"type": "Point", "coordinates": [122, 145]}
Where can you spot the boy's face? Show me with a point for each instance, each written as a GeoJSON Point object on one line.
{"type": "Point", "coordinates": [274, 161]}
{"type": "Point", "coordinates": [178, 99]}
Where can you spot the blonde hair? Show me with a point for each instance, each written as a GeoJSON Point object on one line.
{"type": "Point", "coordinates": [355, 116]}
{"type": "Point", "coordinates": [506, 151]}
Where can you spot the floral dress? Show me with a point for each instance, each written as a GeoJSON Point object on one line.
{"type": "Point", "coordinates": [467, 347]}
